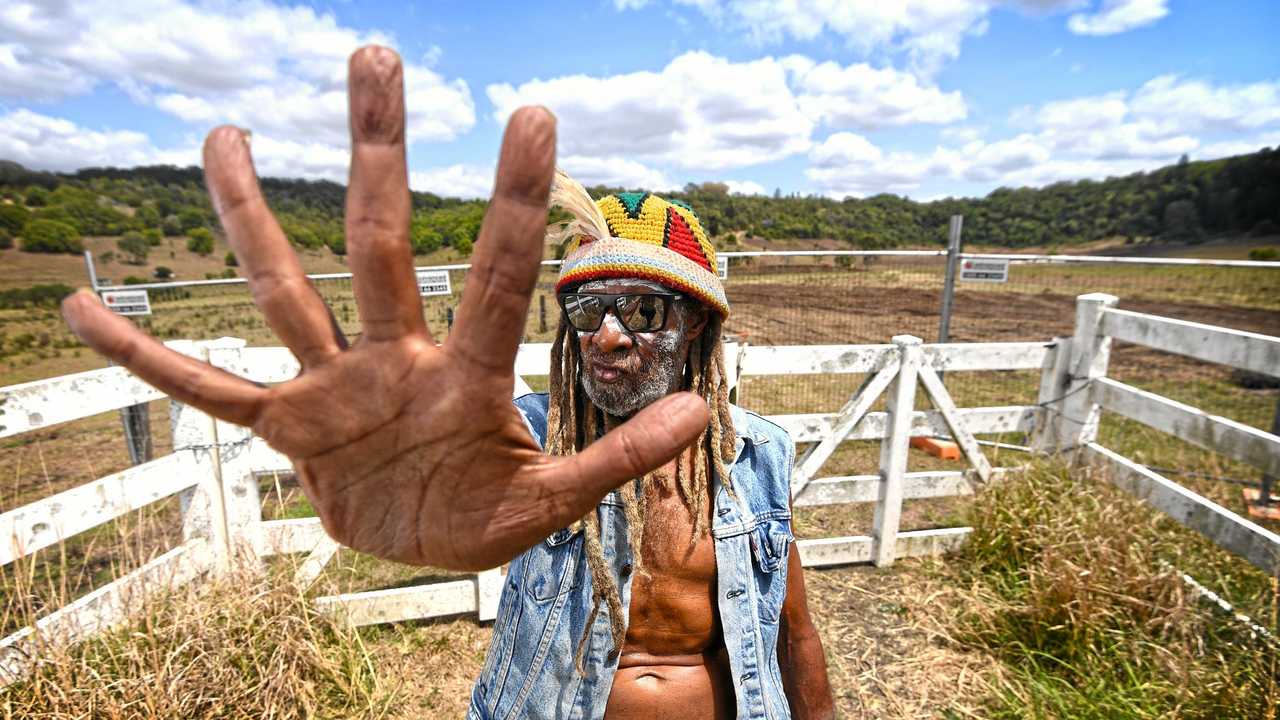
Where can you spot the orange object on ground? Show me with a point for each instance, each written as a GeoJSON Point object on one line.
{"type": "Point", "coordinates": [944, 449]}
{"type": "Point", "coordinates": [1270, 511]}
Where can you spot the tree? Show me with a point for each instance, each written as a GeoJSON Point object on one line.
{"type": "Point", "coordinates": [153, 236]}
{"type": "Point", "coordinates": [171, 226]}
{"type": "Point", "coordinates": [13, 217]}
{"type": "Point", "coordinates": [200, 241]}
{"type": "Point", "coordinates": [230, 259]}
{"type": "Point", "coordinates": [50, 236]}
{"type": "Point", "coordinates": [163, 273]}
{"type": "Point", "coordinates": [1181, 222]}
{"type": "Point", "coordinates": [36, 196]}
{"type": "Point", "coordinates": [190, 219]}
{"type": "Point", "coordinates": [148, 216]}
{"type": "Point", "coordinates": [6, 239]}
{"type": "Point", "coordinates": [135, 246]}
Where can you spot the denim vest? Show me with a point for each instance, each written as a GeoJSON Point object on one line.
{"type": "Point", "coordinates": [529, 671]}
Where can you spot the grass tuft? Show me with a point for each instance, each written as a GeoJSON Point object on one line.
{"type": "Point", "coordinates": [242, 646]}
{"type": "Point", "coordinates": [1061, 580]}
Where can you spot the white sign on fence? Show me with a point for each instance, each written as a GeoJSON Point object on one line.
{"type": "Point", "coordinates": [722, 267]}
{"type": "Point", "coordinates": [127, 302]}
{"type": "Point", "coordinates": [434, 282]}
{"type": "Point", "coordinates": [984, 270]}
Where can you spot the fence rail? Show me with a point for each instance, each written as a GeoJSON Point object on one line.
{"type": "Point", "coordinates": [215, 465]}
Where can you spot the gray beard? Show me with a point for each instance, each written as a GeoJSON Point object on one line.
{"type": "Point", "coordinates": [631, 393]}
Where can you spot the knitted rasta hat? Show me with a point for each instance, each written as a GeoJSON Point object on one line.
{"type": "Point", "coordinates": [636, 235]}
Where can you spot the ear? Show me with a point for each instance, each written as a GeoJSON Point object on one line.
{"type": "Point", "coordinates": [697, 321]}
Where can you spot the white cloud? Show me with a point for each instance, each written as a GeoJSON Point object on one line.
{"type": "Point", "coordinates": [928, 32]}
{"type": "Point", "coordinates": [49, 143]}
{"type": "Point", "coordinates": [864, 97]}
{"type": "Point", "coordinates": [849, 164]}
{"type": "Point", "coordinates": [1083, 113]}
{"type": "Point", "coordinates": [1117, 16]}
{"type": "Point", "coordinates": [705, 112]}
{"type": "Point", "coordinates": [461, 181]}
{"type": "Point", "coordinates": [292, 158]}
{"type": "Point", "coordinates": [1111, 134]}
{"type": "Point", "coordinates": [615, 172]}
{"type": "Point", "coordinates": [277, 69]}
{"type": "Point", "coordinates": [700, 111]}
{"type": "Point", "coordinates": [1197, 105]}
{"type": "Point", "coordinates": [45, 81]}
{"type": "Point", "coordinates": [744, 187]}
{"type": "Point", "coordinates": [1226, 148]}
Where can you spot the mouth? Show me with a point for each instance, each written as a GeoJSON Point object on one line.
{"type": "Point", "coordinates": [606, 373]}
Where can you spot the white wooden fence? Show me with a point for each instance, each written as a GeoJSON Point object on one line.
{"type": "Point", "coordinates": [215, 467]}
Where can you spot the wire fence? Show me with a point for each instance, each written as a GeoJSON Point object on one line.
{"type": "Point", "coordinates": [851, 297]}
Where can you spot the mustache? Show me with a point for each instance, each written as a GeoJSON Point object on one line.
{"type": "Point", "coordinates": [623, 359]}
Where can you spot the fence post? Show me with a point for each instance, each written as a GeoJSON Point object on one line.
{"type": "Point", "coordinates": [488, 590]}
{"type": "Point", "coordinates": [1090, 354]}
{"type": "Point", "coordinates": [136, 419]}
{"type": "Point", "coordinates": [893, 451]}
{"type": "Point", "coordinates": [242, 502]}
{"type": "Point", "coordinates": [203, 511]}
{"type": "Point", "coordinates": [1264, 491]}
{"type": "Point", "coordinates": [949, 287]}
{"type": "Point", "coordinates": [1054, 378]}
{"type": "Point", "coordinates": [542, 313]}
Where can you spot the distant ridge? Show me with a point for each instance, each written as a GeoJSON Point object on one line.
{"type": "Point", "coordinates": [1186, 201]}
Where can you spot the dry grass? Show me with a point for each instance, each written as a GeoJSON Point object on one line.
{"type": "Point", "coordinates": [243, 646]}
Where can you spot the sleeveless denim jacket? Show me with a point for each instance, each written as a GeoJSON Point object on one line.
{"type": "Point", "coordinates": [529, 671]}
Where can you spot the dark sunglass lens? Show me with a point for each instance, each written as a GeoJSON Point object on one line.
{"type": "Point", "coordinates": [642, 313]}
{"type": "Point", "coordinates": [584, 311]}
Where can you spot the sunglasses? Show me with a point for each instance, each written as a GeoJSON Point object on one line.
{"type": "Point", "coordinates": [638, 312]}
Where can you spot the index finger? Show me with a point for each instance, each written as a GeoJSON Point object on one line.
{"type": "Point", "coordinates": [184, 379]}
{"type": "Point", "coordinates": [504, 270]}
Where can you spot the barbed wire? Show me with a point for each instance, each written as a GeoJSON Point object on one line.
{"type": "Point", "coordinates": [232, 445]}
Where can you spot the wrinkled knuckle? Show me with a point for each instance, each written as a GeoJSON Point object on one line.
{"type": "Point", "coordinates": [124, 349]}
{"type": "Point", "coordinates": [632, 455]}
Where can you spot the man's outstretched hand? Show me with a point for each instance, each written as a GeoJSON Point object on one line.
{"type": "Point", "coordinates": [407, 450]}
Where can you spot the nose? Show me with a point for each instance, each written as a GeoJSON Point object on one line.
{"type": "Point", "coordinates": [611, 336]}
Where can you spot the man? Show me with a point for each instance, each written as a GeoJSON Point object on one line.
{"type": "Point", "coordinates": [682, 595]}
{"type": "Point", "coordinates": [408, 450]}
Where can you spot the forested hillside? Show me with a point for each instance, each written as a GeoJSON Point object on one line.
{"type": "Point", "coordinates": [46, 212]}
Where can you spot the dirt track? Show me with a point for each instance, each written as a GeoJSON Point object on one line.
{"type": "Point", "coordinates": [787, 313]}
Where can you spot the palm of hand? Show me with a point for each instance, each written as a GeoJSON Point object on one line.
{"type": "Point", "coordinates": [407, 450]}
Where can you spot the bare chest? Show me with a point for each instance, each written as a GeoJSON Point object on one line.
{"type": "Point", "coordinates": [673, 609]}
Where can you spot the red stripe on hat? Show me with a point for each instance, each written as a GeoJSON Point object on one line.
{"type": "Point", "coordinates": [680, 239]}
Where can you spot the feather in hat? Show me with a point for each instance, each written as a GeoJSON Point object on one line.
{"type": "Point", "coordinates": [569, 195]}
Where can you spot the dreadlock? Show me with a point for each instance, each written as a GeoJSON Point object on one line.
{"type": "Point", "coordinates": [573, 423]}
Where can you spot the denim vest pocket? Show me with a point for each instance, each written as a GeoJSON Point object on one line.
{"type": "Point", "coordinates": [770, 544]}
{"type": "Point", "coordinates": [551, 566]}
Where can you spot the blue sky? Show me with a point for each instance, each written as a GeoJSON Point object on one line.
{"type": "Point", "coordinates": [921, 98]}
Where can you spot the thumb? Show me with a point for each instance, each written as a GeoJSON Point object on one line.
{"type": "Point", "coordinates": [652, 438]}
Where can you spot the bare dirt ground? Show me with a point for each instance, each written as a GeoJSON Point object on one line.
{"type": "Point", "coordinates": [883, 662]}
{"type": "Point", "coordinates": [798, 313]}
